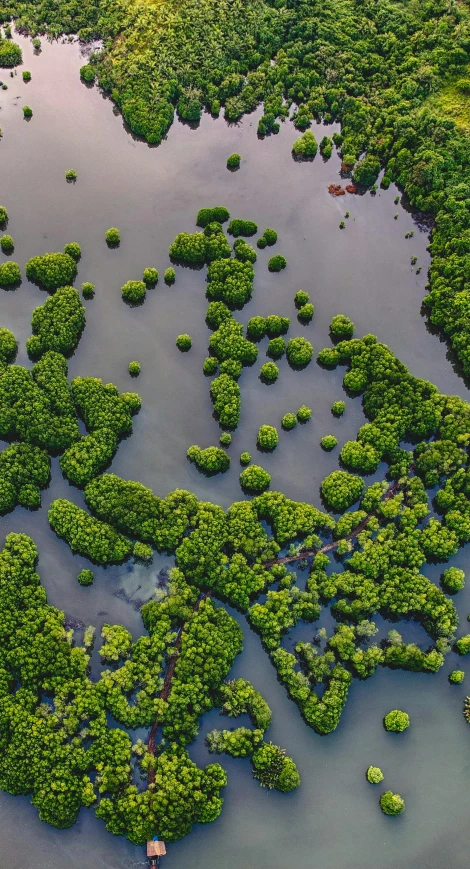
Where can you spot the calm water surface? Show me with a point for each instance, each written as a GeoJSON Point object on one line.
{"type": "Point", "coordinates": [333, 820]}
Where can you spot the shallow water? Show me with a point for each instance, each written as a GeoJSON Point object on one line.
{"type": "Point", "coordinates": [151, 194]}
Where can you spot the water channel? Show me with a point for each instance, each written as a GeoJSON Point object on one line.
{"type": "Point", "coordinates": [333, 821]}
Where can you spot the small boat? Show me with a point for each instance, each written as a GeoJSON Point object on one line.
{"type": "Point", "coordinates": [155, 850]}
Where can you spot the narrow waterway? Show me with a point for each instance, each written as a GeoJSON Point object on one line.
{"type": "Point", "coordinates": [333, 821]}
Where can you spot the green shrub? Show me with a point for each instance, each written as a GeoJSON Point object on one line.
{"type": "Point", "coordinates": [277, 263]}
{"type": "Point", "coordinates": [3, 216]}
{"type": "Point", "coordinates": [456, 677]}
{"type": "Point", "coordinates": [269, 371]}
{"type": "Point", "coordinates": [238, 227]}
{"type": "Point", "coordinates": [328, 357]}
{"type": "Point", "coordinates": [227, 342]}
{"type": "Point", "coordinates": [326, 147]}
{"type": "Point", "coordinates": [244, 252]}
{"type": "Point", "coordinates": [328, 442]}
{"type": "Point", "coordinates": [267, 437]}
{"type": "Point", "coordinates": [276, 325]}
{"type": "Point", "coordinates": [27, 112]}
{"type": "Point", "coordinates": [301, 298]}
{"type": "Point", "coordinates": [230, 281]}
{"type": "Point", "coordinates": [142, 551]}
{"type": "Point", "coordinates": [211, 364]}
{"type": "Point", "coordinates": [306, 313]}
{"type": "Point", "coordinates": [86, 535]}
{"type": "Point", "coordinates": [392, 804]}
{"type": "Point", "coordinates": [261, 243]}
{"type": "Point", "coordinates": [216, 314]}
{"type": "Point", "coordinates": [169, 276]}
{"type": "Point", "coordinates": [304, 413]}
{"type": "Point", "coordinates": [184, 342]}
{"type": "Point", "coordinates": [71, 175]}
{"type": "Point", "coordinates": [273, 769]}
{"type": "Point", "coordinates": [101, 407]}
{"type": "Point", "coordinates": [214, 228]}
{"type": "Point", "coordinates": [113, 237]}
{"type": "Point", "coordinates": [374, 775]}
{"type": "Point", "coordinates": [232, 367]}
{"type": "Point", "coordinates": [338, 408]}
{"type": "Point", "coordinates": [87, 73]}
{"type": "Point", "coordinates": [133, 291]}
{"type": "Point", "coordinates": [211, 460]}
{"type": "Point", "coordinates": [299, 351]}
{"type": "Point", "coordinates": [245, 458]}
{"type": "Point", "coordinates": [276, 348]}
{"type": "Point", "coordinates": [134, 369]}
{"type": "Point", "coordinates": [8, 345]}
{"type": "Point", "coordinates": [367, 170]}
{"type": "Point", "coordinates": [289, 420]}
{"type": "Point", "coordinates": [254, 479]}
{"type": "Point", "coordinates": [7, 244]}
{"type": "Point", "coordinates": [85, 577]}
{"type": "Point", "coordinates": [306, 146]}
{"type": "Point", "coordinates": [36, 43]}
{"type": "Point", "coordinates": [10, 274]}
{"type": "Point", "coordinates": [360, 457]}
{"type": "Point", "coordinates": [150, 276]}
{"type": "Point", "coordinates": [396, 721]}
{"type": "Point", "coordinates": [233, 161]}
{"type": "Point", "coordinates": [340, 490]}
{"type": "Point", "coordinates": [463, 645]}
{"type": "Point", "coordinates": [58, 323]}
{"type": "Point", "coordinates": [52, 270]}
{"type": "Point", "coordinates": [256, 327]}
{"type": "Point", "coordinates": [189, 247]}
{"type": "Point", "coordinates": [225, 439]}
{"type": "Point", "coordinates": [24, 471]}
{"type": "Point", "coordinates": [271, 236]}
{"type": "Point", "coordinates": [342, 327]}
{"type": "Point", "coordinates": [225, 394]}
{"type": "Point", "coordinates": [88, 290]}
{"type": "Point", "coordinates": [453, 579]}
{"type": "Point", "coordinates": [208, 215]}
{"type": "Point", "coordinates": [74, 250]}
{"type": "Point", "coordinates": [10, 54]}
{"type": "Point", "coordinates": [88, 456]}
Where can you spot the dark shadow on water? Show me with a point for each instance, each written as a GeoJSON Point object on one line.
{"type": "Point", "coordinates": [134, 303]}
{"type": "Point", "coordinates": [193, 125]}
{"type": "Point", "coordinates": [194, 267]}
{"type": "Point", "coordinates": [12, 287]}
{"type": "Point", "coordinates": [302, 158]}
{"type": "Point", "coordinates": [267, 381]}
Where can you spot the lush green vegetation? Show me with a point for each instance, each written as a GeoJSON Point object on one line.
{"type": "Point", "coordinates": [389, 75]}
{"type": "Point", "coordinates": [396, 721]}
{"type": "Point", "coordinates": [233, 162]}
{"type": "Point", "coordinates": [58, 324]}
{"type": "Point", "coordinates": [10, 53]}
{"type": "Point", "coordinates": [211, 460]}
{"type": "Point", "coordinates": [113, 236]}
{"type": "Point", "coordinates": [306, 147]}
{"type": "Point", "coordinates": [52, 270]}
{"type": "Point", "coordinates": [392, 804]}
{"type": "Point", "coordinates": [10, 275]}
{"type": "Point", "coordinates": [134, 291]}
{"type": "Point", "coordinates": [184, 342]}
{"type": "Point", "coordinates": [7, 244]}
{"type": "Point", "coordinates": [374, 775]}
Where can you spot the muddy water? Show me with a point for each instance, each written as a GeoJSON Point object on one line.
{"type": "Point", "coordinates": [151, 194]}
